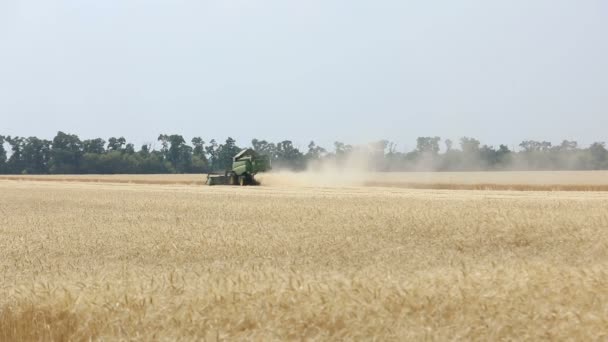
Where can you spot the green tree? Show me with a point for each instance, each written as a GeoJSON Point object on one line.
{"type": "Point", "coordinates": [66, 154]}
{"type": "Point", "coordinates": [154, 162]}
{"type": "Point", "coordinates": [289, 156]}
{"type": "Point", "coordinates": [144, 151]}
{"type": "Point", "coordinates": [535, 146]}
{"type": "Point", "coordinates": [428, 145]}
{"type": "Point", "coordinates": [129, 149]}
{"type": "Point", "coordinates": [452, 160]}
{"type": "Point", "coordinates": [116, 162]}
{"type": "Point", "coordinates": [176, 152]}
{"type": "Point", "coordinates": [342, 150]}
{"type": "Point", "coordinates": [94, 146]}
{"type": "Point", "coordinates": [116, 144]}
{"type": "Point", "coordinates": [503, 156]}
{"type": "Point", "coordinates": [212, 153]}
{"type": "Point", "coordinates": [469, 146]}
{"type": "Point", "coordinates": [2, 155]}
{"type": "Point", "coordinates": [16, 162]}
{"type": "Point", "coordinates": [567, 145]}
{"type": "Point", "coordinates": [315, 152]}
{"type": "Point", "coordinates": [92, 163]}
{"type": "Point", "coordinates": [488, 157]}
{"type": "Point", "coordinates": [475, 157]}
{"type": "Point", "coordinates": [225, 154]}
{"type": "Point", "coordinates": [536, 155]}
{"type": "Point", "coordinates": [599, 155]}
{"type": "Point", "coordinates": [36, 155]}
{"type": "Point", "coordinates": [198, 147]}
{"type": "Point", "coordinates": [199, 158]}
{"type": "Point", "coordinates": [265, 148]}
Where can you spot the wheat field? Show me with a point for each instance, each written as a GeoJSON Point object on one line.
{"type": "Point", "coordinates": [167, 260]}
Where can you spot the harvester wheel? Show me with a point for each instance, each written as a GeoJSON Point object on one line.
{"type": "Point", "coordinates": [233, 179]}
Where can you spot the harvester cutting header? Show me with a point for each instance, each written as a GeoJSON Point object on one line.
{"type": "Point", "coordinates": [245, 165]}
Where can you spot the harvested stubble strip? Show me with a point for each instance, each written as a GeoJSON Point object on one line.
{"type": "Point", "coordinates": [106, 180]}
{"type": "Point", "coordinates": [389, 184]}
{"type": "Point", "coordinates": [499, 187]}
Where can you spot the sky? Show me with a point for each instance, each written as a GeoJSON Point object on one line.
{"type": "Point", "coordinates": [324, 70]}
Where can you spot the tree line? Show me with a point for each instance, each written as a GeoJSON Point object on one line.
{"type": "Point", "coordinates": [68, 154]}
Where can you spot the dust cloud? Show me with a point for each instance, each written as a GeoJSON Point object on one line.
{"type": "Point", "coordinates": [354, 169]}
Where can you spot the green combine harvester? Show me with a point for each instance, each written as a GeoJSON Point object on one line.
{"type": "Point", "coordinates": [245, 165]}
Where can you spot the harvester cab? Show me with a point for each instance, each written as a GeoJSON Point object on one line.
{"type": "Point", "coordinates": [245, 165]}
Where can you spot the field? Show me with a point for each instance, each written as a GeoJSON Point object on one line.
{"type": "Point", "coordinates": [518, 181]}
{"type": "Point", "coordinates": [164, 258]}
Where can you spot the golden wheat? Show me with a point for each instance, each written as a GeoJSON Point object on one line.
{"type": "Point", "coordinates": [147, 262]}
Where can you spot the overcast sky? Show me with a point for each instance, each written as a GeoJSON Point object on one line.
{"type": "Point", "coordinates": [327, 70]}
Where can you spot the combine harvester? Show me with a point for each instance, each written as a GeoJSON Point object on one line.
{"type": "Point", "coordinates": [245, 165]}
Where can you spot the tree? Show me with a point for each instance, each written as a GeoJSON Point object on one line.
{"type": "Point", "coordinates": [537, 155]}
{"type": "Point", "coordinates": [545, 146]}
{"type": "Point", "coordinates": [503, 156]}
{"type": "Point", "coordinates": [154, 162]}
{"type": "Point", "coordinates": [474, 157]}
{"type": "Point", "coordinates": [529, 146]}
{"type": "Point", "coordinates": [129, 149]}
{"type": "Point", "coordinates": [535, 146]}
{"type": "Point", "coordinates": [176, 152]}
{"type": "Point", "coordinates": [452, 160]}
{"type": "Point", "coordinates": [225, 155]}
{"type": "Point", "coordinates": [66, 154]}
{"type": "Point", "coordinates": [448, 145]}
{"type": "Point", "coordinates": [96, 146]}
{"type": "Point", "coordinates": [16, 163]}
{"type": "Point", "coordinates": [2, 154]}
{"type": "Point", "coordinates": [315, 152]}
{"type": "Point", "coordinates": [164, 141]}
{"type": "Point", "coordinates": [199, 159]}
{"type": "Point", "coordinates": [567, 145]}
{"type": "Point", "coordinates": [469, 145]}
{"type": "Point", "coordinates": [144, 151]}
{"type": "Point", "coordinates": [198, 147]}
{"type": "Point", "coordinates": [342, 150]}
{"type": "Point", "coordinates": [265, 148]}
{"type": "Point", "coordinates": [488, 157]}
{"type": "Point", "coordinates": [212, 152]}
{"type": "Point", "coordinates": [116, 144]}
{"type": "Point", "coordinates": [599, 155]}
{"type": "Point", "coordinates": [36, 155]}
{"type": "Point", "coordinates": [428, 145]}
{"type": "Point", "coordinates": [290, 157]}
{"type": "Point", "coordinates": [116, 162]}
